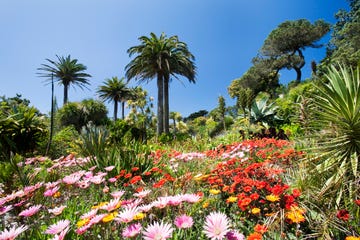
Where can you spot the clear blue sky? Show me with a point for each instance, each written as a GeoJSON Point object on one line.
{"type": "Point", "coordinates": [224, 35]}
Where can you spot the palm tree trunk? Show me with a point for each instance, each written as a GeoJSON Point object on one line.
{"type": "Point", "coordinates": [123, 110]}
{"type": "Point", "coordinates": [66, 88]}
{"type": "Point", "coordinates": [160, 103]}
{"type": "Point", "coordinates": [166, 104]}
{"type": "Point", "coordinates": [115, 109]}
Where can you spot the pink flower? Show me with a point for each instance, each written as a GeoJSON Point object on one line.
{"type": "Point", "coordinates": [89, 214]}
{"type": "Point", "coordinates": [132, 230]}
{"type": "Point", "coordinates": [109, 168]}
{"type": "Point", "coordinates": [57, 227]}
{"type": "Point", "coordinates": [30, 211]}
{"type": "Point", "coordinates": [190, 198]}
{"type": "Point", "coordinates": [50, 192]}
{"type": "Point", "coordinates": [216, 226]}
{"type": "Point", "coordinates": [61, 236]}
{"type": "Point", "coordinates": [158, 231]}
{"type": "Point", "coordinates": [96, 219]}
{"type": "Point", "coordinates": [127, 215]}
{"type": "Point", "coordinates": [71, 179]}
{"type": "Point", "coordinates": [112, 180]}
{"type": "Point", "coordinates": [112, 205]}
{"type": "Point", "coordinates": [117, 194]}
{"type": "Point", "coordinates": [57, 210]}
{"type": "Point", "coordinates": [12, 233]}
{"type": "Point", "coordinates": [5, 209]}
{"type": "Point", "coordinates": [142, 194]}
{"type": "Point", "coordinates": [183, 221]}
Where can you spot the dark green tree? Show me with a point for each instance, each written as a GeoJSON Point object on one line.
{"type": "Point", "coordinates": [222, 110]}
{"type": "Point", "coordinates": [22, 128]}
{"type": "Point", "coordinates": [161, 57]}
{"type": "Point", "coordinates": [115, 90]}
{"type": "Point", "coordinates": [80, 114]}
{"type": "Point", "coordinates": [287, 42]}
{"type": "Point", "coordinates": [66, 72]}
{"type": "Point", "coordinates": [344, 45]}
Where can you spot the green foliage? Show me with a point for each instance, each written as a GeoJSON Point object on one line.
{"type": "Point", "coordinates": [264, 112]}
{"type": "Point", "coordinates": [286, 43]}
{"type": "Point", "coordinates": [80, 114]}
{"type": "Point", "coordinates": [95, 144]}
{"type": "Point", "coordinates": [192, 116]}
{"type": "Point", "coordinates": [337, 105]}
{"type": "Point", "coordinates": [345, 42]}
{"type": "Point", "coordinates": [62, 143]}
{"type": "Point", "coordinates": [22, 128]}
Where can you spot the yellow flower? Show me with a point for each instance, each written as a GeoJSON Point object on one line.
{"type": "Point", "coordinates": [99, 205]}
{"type": "Point", "coordinates": [214, 191]}
{"type": "Point", "coordinates": [205, 204]}
{"type": "Point", "coordinates": [82, 222]}
{"type": "Point", "coordinates": [255, 210]}
{"type": "Point", "coordinates": [109, 217]}
{"type": "Point", "coordinates": [272, 198]}
{"type": "Point", "coordinates": [295, 215]}
{"type": "Point", "coordinates": [139, 216]}
{"type": "Point", "coordinates": [352, 238]}
{"type": "Point", "coordinates": [231, 199]}
{"type": "Point", "coordinates": [57, 194]}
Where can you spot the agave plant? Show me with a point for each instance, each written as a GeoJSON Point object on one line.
{"type": "Point", "coordinates": [263, 112]}
{"type": "Point", "coordinates": [337, 105]}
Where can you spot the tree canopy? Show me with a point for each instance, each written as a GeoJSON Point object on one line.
{"type": "Point", "coordinates": [287, 42]}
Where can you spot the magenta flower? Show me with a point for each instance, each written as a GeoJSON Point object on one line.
{"type": "Point", "coordinates": [216, 226]}
{"type": "Point", "coordinates": [234, 235]}
{"type": "Point", "coordinates": [57, 227]}
{"type": "Point", "coordinates": [158, 231]}
{"type": "Point", "coordinates": [30, 211]}
{"type": "Point", "coordinates": [5, 209]}
{"type": "Point", "coordinates": [184, 221]}
{"type": "Point", "coordinates": [132, 230]}
{"type": "Point", "coordinates": [12, 233]}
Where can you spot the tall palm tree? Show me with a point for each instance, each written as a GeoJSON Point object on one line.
{"type": "Point", "coordinates": [66, 71]}
{"type": "Point", "coordinates": [161, 57]}
{"type": "Point", "coordinates": [115, 90]}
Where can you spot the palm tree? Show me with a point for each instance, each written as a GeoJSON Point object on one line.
{"type": "Point", "coordinates": [161, 57]}
{"type": "Point", "coordinates": [66, 71]}
{"type": "Point", "coordinates": [115, 90]}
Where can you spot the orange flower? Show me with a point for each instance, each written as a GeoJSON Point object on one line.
{"type": "Point", "coordinates": [254, 236]}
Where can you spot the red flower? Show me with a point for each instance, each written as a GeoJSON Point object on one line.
{"type": "Point", "coordinates": [343, 214]}
{"type": "Point", "coordinates": [247, 188]}
{"type": "Point", "coordinates": [128, 175]}
{"type": "Point", "coordinates": [160, 183]}
{"type": "Point", "coordinates": [357, 202]}
{"type": "Point", "coordinates": [135, 179]}
{"type": "Point", "coordinates": [254, 196]}
{"type": "Point", "coordinates": [296, 193]}
{"type": "Point", "coordinates": [243, 203]}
